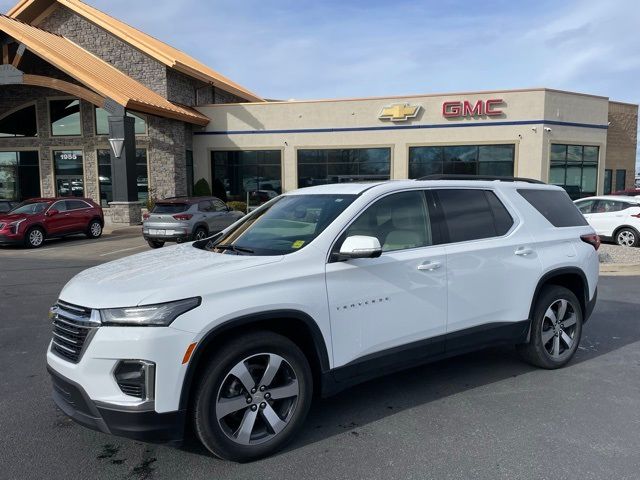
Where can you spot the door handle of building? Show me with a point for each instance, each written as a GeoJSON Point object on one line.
{"type": "Point", "coordinates": [429, 266]}
{"type": "Point", "coordinates": [524, 251]}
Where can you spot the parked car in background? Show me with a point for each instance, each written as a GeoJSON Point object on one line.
{"type": "Point", "coordinates": [629, 192]}
{"type": "Point", "coordinates": [180, 219]}
{"type": "Point", "coordinates": [7, 205]}
{"type": "Point", "coordinates": [613, 217]}
{"type": "Point", "coordinates": [36, 219]}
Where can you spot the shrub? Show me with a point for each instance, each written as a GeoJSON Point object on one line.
{"type": "Point", "coordinates": [201, 188]}
{"type": "Point", "coordinates": [219, 190]}
{"type": "Point", "coordinates": [240, 206]}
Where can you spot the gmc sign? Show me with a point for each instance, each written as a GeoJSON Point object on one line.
{"type": "Point", "coordinates": [467, 109]}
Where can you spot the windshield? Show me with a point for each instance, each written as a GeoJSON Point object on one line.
{"type": "Point", "coordinates": [31, 208]}
{"type": "Point", "coordinates": [284, 226]}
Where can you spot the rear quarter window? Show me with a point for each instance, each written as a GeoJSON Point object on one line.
{"type": "Point", "coordinates": [170, 208]}
{"type": "Point", "coordinates": [555, 206]}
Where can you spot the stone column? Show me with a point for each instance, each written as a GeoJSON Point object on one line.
{"type": "Point", "coordinates": [125, 208]}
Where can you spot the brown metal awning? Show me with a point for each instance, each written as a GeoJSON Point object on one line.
{"type": "Point", "coordinates": [97, 75]}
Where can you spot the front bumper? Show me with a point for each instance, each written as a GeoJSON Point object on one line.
{"type": "Point", "coordinates": [148, 426]}
{"type": "Point", "coordinates": [11, 239]}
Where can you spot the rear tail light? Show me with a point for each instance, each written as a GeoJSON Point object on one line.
{"type": "Point", "coordinates": [591, 239]}
{"type": "Point", "coordinates": [145, 216]}
{"type": "Point", "coordinates": [183, 216]}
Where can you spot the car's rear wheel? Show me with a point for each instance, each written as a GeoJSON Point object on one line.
{"type": "Point", "coordinates": [253, 397]}
{"type": "Point", "coordinates": [94, 230]}
{"type": "Point", "coordinates": [155, 243]}
{"type": "Point", "coordinates": [200, 233]}
{"type": "Point", "coordinates": [556, 328]}
{"type": "Point", "coordinates": [627, 237]}
{"type": "Point", "coordinates": [34, 237]}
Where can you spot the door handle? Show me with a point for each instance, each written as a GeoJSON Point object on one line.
{"type": "Point", "coordinates": [524, 251]}
{"type": "Point", "coordinates": [429, 266]}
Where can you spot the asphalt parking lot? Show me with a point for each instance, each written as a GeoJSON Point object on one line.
{"type": "Point", "coordinates": [481, 416]}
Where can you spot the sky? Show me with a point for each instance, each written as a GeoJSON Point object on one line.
{"type": "Point", "coordinates": [284, 49]}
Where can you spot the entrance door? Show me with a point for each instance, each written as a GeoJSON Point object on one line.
{"type": "Point", "coordinates": [69, 186]}
{"type": "Point", "coordinates": [69, 173]}
{"type": "Point", "coordinates": [395, 300]}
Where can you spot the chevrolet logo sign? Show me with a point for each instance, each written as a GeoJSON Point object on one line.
{"type": "Point", "coordinates": [399, 112]}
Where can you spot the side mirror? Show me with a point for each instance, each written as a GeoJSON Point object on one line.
{"type": "Point", "coordinates": [360, 246]}
{"type": "Point", "coordinates": [52, 212]}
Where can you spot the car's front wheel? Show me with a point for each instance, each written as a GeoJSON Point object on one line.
{"type": "Point", "coordinates": [94, 230]}
{"type": "Point", "coordinates": [627, 237]}
{"type": "Point", "coordinates": [34, 238]}
{"type": "Point", "coordinates": [253, 397]}
{"type": "Point", "coordinates": [556, 328]}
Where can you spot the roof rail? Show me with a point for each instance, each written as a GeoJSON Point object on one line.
{"type": "Point", "coordinates": [479, 178]}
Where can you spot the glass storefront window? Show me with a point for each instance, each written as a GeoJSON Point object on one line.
{"type": "Point", "coordinates": [621, 179]}
{"type": "Point", "coordinates": [65, 117]}
{"type": "Point", "coordinates": [21, 123]}
{"type": "Point", "coordinates": [19, 175]}
{"type": "Point", "coordinates": [102, 122]}
{"type": "Point", "coordinates": [189, 164]}
{"type": "Point", "coordinates": [69, 172]}
{"type": "Point", "coordinates": [105, 179]}
{"type": "Point", "coordinates": [322, 166]}
{"type": "Point", "coordinates": [575, 168]}
{"type": "Point", "coordinates": [492, 160]}
{"type": "Point", "coordinates": [608, 181]}
{"type": "Point", "coordinates": [253, 174]}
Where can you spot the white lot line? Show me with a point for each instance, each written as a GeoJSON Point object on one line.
{"type": "Point", "coordinates": [123, 250]}
{"type": "Point", "coordinates": [70, 244]}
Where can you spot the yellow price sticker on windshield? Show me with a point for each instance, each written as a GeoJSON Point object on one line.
{"type": "Point", "coordinates": [297, 244]}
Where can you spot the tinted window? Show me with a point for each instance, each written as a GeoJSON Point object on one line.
{"type": "Point", "coordinates": [555, 206]}
{"type": "Point", "coordinates": [205, 206]}
{"type": "Point", "coordinates": [585, 206]}
{"type": "Point", "coordinates": [219, 206]}
{"type": "Point", "coordinates": [76, 204]}
{"type": "Point", "coordinates": [21, 123]}
{"type": "Point", "coordinates": [60, 206]}
{"type": "Point", "coordinates": [473, 214]}
{"type": "Point", "coordinates": [65, 117]}
{"type": "Point", "coordinates": [318, 167]}
{"type": "Point", "coordinates": [170, 208]}
{"type": "Point", "coordinates": [606, 206]}
{"type": "Point", "coordinates": [398, 221]}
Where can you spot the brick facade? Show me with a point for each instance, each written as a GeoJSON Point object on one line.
{"type": "Point", "coordinates": [622, 138]}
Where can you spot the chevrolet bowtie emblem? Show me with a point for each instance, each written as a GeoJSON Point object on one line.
{"type": "Point", "coordinates": [399, 112]}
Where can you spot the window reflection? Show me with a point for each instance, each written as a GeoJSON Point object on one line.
{"type": "Point", "coordinates": [19, 175]}
{"type": "Point", "coordinates": [492, 160]}
{"type": "Point", "coordinates": [105, 179]}
{"type": "Point", "coordinates": [575, 168]}
{"type": "Point", "coordinates": [65, 117]}
{"type": "Point", "coordinates": [322, 166]}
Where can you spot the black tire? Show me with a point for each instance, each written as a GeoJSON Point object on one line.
{"type": "Point", "coordinates": [541, 353]}
{"type": "Point", "coordinates": [217, 374]}
{"type": "Point", "coordinates": [94, 229]}
{"type": "Point", "coordinates": [200, 233]}
{"type": "Point", "coordinates": [627, 237]}
{"type": "Point", "coordinates": [34, 237]}
{"type": "Point", "coordinates": [155, 243]}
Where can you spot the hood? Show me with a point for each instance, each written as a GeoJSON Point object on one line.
{"type": "Point", "coordinates": [156, 276]}
{"type": "Point", "coordinates": [12, 217]}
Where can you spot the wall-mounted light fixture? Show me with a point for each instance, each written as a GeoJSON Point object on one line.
{"type": "Point", "coordinates": [116, 146]}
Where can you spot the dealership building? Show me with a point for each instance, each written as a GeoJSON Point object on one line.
{"type": "Point", "coordinates": [93, 107]}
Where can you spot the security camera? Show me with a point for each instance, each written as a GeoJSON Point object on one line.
{"type": "Point", "coordinates": [547, 129]}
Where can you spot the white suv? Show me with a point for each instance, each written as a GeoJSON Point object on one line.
{"type": "Point", "coordinates": [316, 290]}
{"type": "Point", "coordinates": [614, 217]}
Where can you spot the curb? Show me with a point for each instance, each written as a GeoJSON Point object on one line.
{"type": "Point", "coordinates": [619, 269]}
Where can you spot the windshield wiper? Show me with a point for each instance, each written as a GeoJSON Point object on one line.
{"type": "Point", "coordinates": [233, 248]}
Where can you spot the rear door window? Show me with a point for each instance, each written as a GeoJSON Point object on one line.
{"type": "Point", "coordinates": [607, 206]}
{"type": "Point", "coordinates": [170, 208]}
{"type": "Point", "coordinates": [585, 206]}
{"type": "Point", "coordinates": [76, 204]}
{"type": "Point", "coordinates": [473, 214]}
{"type": "Point", "coordinates": [555, 206]}
{"type": "Point", "coordinates": [219, 206]}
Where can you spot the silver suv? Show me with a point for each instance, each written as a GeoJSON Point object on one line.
{"type": "Point", "coordinates": [181, 219]}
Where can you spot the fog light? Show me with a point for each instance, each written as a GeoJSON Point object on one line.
{"type": "Point", "coordinates": [136, 378]}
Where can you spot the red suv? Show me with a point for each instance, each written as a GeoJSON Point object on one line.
{"type": "Point", "coordinates": [38, 218]}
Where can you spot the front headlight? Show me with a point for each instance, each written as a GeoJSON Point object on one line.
{"type": "Point", "coordinates": [15, 225]}
{"type": "Point", "coordinates": [159, 315]}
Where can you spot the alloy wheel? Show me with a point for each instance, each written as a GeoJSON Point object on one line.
{"type": "Point", "coordinates": [201, 234]}
{"type": "Point", "coordinates": [96, 229]}
{"type": "Point", "coordinates": [257, 399]}
{"type": "Point", "coordinates": [559, 328]}
{"type": "Point", "coordinates": [626, 238]}
{"type": "Point", "coordinates": [36, 238]}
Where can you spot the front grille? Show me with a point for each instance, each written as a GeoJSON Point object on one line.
{"type": "Point", "coordinates": [73, 327]}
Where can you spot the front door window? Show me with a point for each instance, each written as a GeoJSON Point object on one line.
{"type": "Point", "coordinates": [69, 173]}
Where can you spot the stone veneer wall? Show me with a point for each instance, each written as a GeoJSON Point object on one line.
{"type": "Point", "coordinates": [622, 137]}
{"type": "Point", "coordinates": [121, 55]}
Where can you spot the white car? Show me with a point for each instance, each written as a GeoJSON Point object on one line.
{"type": "Point", "coordinates": [317, 290]}
{"type": "Point", "coordinates": [614, 217]}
